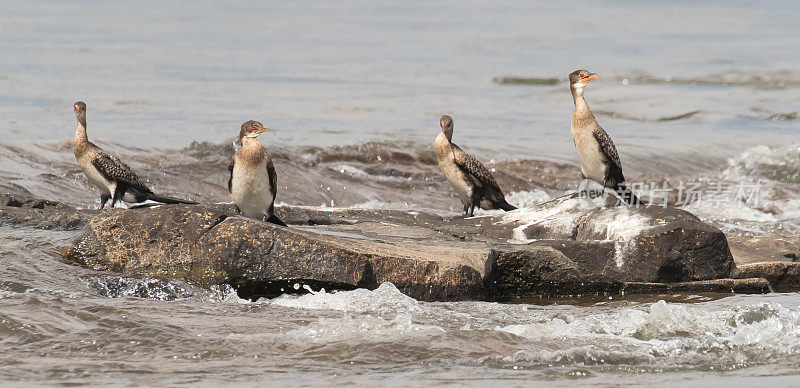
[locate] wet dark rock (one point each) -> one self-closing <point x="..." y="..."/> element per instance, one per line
<point x="42" y="214"/>
<point x="7" y="199"/>
<point x="211" y="246"/>
<point x="544" y="271"/>
<point x="565" y="248"/>
<point x="784" y="277"/>
<point x="646" y="244"/>
<point x="747" y="250"/>
<point x="755" y="285"/>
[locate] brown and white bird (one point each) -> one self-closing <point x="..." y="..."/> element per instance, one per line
<point x="596" y="152"/>
<point x="253" y="183"/>
<point x="473" y="182"/>
<point x="114" y="179"/>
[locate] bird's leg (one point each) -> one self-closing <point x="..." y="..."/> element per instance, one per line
<point x="618" y="199"/>
<point x="603" y="188"/>
<point x="583" y="187"/>
<point x="471" y="210"/>
<point x="103" y="199"/>
<point x="119" y="192"/>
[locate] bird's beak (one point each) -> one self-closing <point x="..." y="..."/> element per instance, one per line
<point x="591" y="77"/>
<point x="260" y="131"/>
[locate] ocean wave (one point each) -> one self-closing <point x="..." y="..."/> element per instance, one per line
<point x="624" y="116"/>
<point x="149" y="288"/>
<point x="686" y="336"/>
<point x="386" y="296"/>
<point x="530" y="81"/>
<point x="758" y="80"/>
<point x="773" y="80"/>
<point x="375" y="175"/>
<point x="776" y="163"/>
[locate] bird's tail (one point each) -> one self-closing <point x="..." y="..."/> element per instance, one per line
<point x="506" y="206"/>
<point x="169" y="200"/>
<point x="628" y="196"/>
<point x="275" y="220"/>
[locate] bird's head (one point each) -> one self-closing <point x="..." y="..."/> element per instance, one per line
<point x="446" y="122"/>
<point x="578" y="79"/>
<point x="79" y="107"/>
<point x="251" y="129"/>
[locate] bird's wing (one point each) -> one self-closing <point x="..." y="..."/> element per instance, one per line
<point x="116" y="170"/>
<point x="230" y="178"/>
<point x="472" y="167"/>
<point x="273" y="177"/>
<point x="607" y="146"/>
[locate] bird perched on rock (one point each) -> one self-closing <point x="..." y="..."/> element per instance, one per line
<point x="473" y="182"/>
<point x="114" y="179"/>
<point x="598" y="156"/>
<point x="253" y="183"/>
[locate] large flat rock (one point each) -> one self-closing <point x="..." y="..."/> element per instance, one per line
<point x="759" y="249"/>
<point x="209" y="246"/>
<point x="566" y="247"/>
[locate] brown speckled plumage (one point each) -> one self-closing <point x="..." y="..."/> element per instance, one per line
<point x="248" y="169"/>
<point x="115" y="179"/>
<point x="472" y="180"/>
<point x="598" y="155"/>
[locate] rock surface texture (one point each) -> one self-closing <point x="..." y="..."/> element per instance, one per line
<point x="566" y="247"/>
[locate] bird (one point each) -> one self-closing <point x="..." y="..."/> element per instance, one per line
<point x="115" y="179"/>
<point x="253" y="183"/>
<point x="597" y="154"/>
<point x="473" y="182"/>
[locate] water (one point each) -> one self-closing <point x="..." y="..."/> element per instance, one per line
<point x="690" y="92"/>
<point x="162" y="75"/>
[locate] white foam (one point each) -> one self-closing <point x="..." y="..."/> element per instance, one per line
<point x="363" y="328"/>
<point x="412" y="209"/>
<point x="770" y="206"/>
<point x="360" y="300"/>
<point x="621" y="226"/>
<point x="560" y="218"/>
<point x="678" y="332"/>
<point x="350" y="170"/>
<point x="368" y="315"/>
<point x="526" y="199"/>
<point x="375" y="204"/>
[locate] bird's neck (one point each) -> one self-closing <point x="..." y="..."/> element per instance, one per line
<point x="250" y="142"/>
<point x="251" y="146"/>
<point x="448" y="133"/>
<point x="442" y="146"/>
<point x="252" y="152"/>
<point x="582" y="114"/>
<point x="80" y="132"/>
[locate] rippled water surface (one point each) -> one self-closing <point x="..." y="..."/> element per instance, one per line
<point x="676" y="77"/>
<point x="88" y="328"/>
<point x="703" y="92"/>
